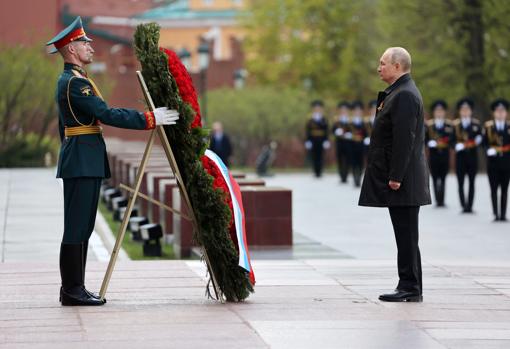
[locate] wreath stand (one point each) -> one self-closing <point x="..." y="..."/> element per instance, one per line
<point x="135" y="192"/>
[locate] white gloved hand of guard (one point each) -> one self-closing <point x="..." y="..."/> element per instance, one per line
<point x="491" y="152"/>
<point x="432" y="143"/>
<point x="165" y="116"/>
<point x="366" y="141"/>
<point x="348" y="135"/>
<point x="308" y="145"/>
<point x="478" y="139"/>
<point x="339" y="131"/>
<point x="459" y="147"/>
<point x="326" y="144"/>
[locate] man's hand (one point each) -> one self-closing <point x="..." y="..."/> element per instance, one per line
<point x="308" y="145"/>
<point x="165" y="116"/>
<point x="326" y="145"/>
<point x="394" y="185"/>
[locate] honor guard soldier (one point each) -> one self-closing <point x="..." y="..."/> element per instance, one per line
<point x="467" y="137"/>
<point x="369" y="120"/>
<point x="343" y="136"/>
<point x="82" y="161"/>
<point x="359" y="134"/>
<point x="438" y="137"/>
<point x="497" y="142"/>
<point x="317" y="136"/>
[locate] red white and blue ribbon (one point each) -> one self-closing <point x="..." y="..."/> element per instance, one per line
<point x="237" y="205"/>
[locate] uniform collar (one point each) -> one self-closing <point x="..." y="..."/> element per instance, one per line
<point x="404" y="78"/>
<point x="71" y="66"/>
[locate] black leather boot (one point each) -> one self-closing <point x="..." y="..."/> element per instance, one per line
<point x="72" y="291"/>
<point x="85" y="246"/>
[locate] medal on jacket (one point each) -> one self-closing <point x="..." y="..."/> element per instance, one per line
<point x="379" y="108"/>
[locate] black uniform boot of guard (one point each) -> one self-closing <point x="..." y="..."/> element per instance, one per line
<point x="72" y="291"/>
<point x="85" y="251"/>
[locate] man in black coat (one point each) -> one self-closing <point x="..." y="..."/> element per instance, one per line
<point x="397" y="174"/>
<point x="220" y="143"/>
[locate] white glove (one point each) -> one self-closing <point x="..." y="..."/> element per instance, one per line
<point x="491" y="152"/>
<point x="165" y="116"/>
<point x="478" y="139"/>
<point x="366" y="141"/>
<point x="326" y="144"/>
<point x="432" y="143"/>
<point x="459" y="147"/>
<point x="339" y="132"/>
<point x="348" y="135"/>
<point x="308" y="145"/>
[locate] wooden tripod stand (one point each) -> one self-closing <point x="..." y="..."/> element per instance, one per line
<point x="135" y="192"/>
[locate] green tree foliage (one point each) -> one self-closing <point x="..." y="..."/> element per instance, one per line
<point x="459" y="47"/>
<point x="255" y="116"/>
<point x="27" y="105"/>
<point x="326" y="44"/>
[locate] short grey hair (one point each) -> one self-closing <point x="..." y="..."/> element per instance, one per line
<point x="401" y="56"/>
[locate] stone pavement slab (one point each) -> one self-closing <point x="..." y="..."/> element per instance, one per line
<point x="297" y="304"/>
<point x="326" y="211"/>
<point x="32" y="216"/>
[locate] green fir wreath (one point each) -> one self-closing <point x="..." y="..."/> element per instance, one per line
<point x="212" y="212"/>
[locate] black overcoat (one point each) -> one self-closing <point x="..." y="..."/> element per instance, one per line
<point x="397" y="149"/>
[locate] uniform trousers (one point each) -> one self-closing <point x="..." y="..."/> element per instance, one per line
<point x="81" y="196"/>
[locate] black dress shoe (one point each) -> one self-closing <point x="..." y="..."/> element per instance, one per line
<point x="401" y="296"/>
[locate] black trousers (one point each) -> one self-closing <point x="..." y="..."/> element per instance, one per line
<point x="343" y="159"/>
<point x="405" y="226"/>
<point x="81" y="196"/>
<point x="317" y="153"/>
<point x="439" y="165"/>
<point x="357" y="162"/>
<point x="467" y="164"/>
<point x="499" y="178"/>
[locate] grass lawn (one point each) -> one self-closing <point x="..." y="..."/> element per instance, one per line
<point x="134" y="249"/>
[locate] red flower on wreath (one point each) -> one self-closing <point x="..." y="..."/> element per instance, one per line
<point x="189" y="95"/>
<point x="185" y="84"/>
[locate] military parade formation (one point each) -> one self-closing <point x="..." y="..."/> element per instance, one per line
<point x="450" y="142"/>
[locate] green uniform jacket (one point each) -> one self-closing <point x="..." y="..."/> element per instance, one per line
<point x="79" y="104"/>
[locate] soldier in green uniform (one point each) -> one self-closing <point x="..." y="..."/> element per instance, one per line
<point x="497" y="142"/>
<point x="438" y="137"/>
<point x="317" y="136"/>
<point x="467" y="137"/>
<point x="82" y="161"/>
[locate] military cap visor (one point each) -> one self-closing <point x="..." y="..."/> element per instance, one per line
<point x="73" y="32"/>
<point x="465" y="102"/>
<point x="357" y="104"/>
<point x="439" y="103"/>
<point x="317" y="103"/>
<point x="499" y="103"/>
<point x="343" y="104"/>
